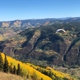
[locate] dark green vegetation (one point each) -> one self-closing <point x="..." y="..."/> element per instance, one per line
<point x="1" y="63"/>
<point x="5" y="67"/>
<point x="30" y="71"/>
<point x="43" y="46"/>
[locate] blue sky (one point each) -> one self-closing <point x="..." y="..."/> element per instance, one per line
<point x="37" y="9"/>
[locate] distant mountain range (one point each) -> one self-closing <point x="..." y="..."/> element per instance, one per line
<point x="11" y="28"/>
<point x="36" y="41"/>
<point x="41" y="43"/>
<point x="35" y="22"/>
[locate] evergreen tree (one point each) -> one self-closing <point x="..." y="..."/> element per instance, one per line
<point x="5" y="64"/>
<point x="1" y="63"/>
<point x="41" y="78"/>
<point x="14" y="70"/>
<point x="10" y="68"/>
<point x="18" y="70"/>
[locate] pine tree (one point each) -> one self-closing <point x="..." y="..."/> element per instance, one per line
<point x="10" y="68"/>
<point x="41" y="78"/>
<point x="5" y="64"/>
<point x="14" y="70"/>
<point x="1" y="63"/>
<point x="18" y="70"/>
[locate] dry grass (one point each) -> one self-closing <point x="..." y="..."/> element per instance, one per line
<point x="5" y="76"/>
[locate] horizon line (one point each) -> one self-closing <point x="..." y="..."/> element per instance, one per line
<point x="36" y="19"/>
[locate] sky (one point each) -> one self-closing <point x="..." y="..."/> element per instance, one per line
<point x="38" y="9"/>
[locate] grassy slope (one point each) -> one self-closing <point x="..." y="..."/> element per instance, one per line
<point x="30" y="71"/>
<point x="59" y="74"/>
<point x="4" y="76"/>
<point x="27" y="70"/>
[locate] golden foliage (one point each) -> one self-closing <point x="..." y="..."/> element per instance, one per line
<point x="27" y="69"/>
<point x="55" y="73"/>
<point x="36" y="72"/>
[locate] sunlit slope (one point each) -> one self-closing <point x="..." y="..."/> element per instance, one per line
<point x="53" y="73"/>
<point x="26" y="69"/>
<point x="38" y="72"/>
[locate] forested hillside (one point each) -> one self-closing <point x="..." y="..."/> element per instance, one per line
<point x="29" y="71"/>
<point x="42" y="45"/>
<point x="51" y="43"/>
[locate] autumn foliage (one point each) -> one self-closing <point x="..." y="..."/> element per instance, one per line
<point x="31" y="71"/>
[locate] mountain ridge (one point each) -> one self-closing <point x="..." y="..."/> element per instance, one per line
<point x="44" y="44"/>
<point x="16" y="26"/>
